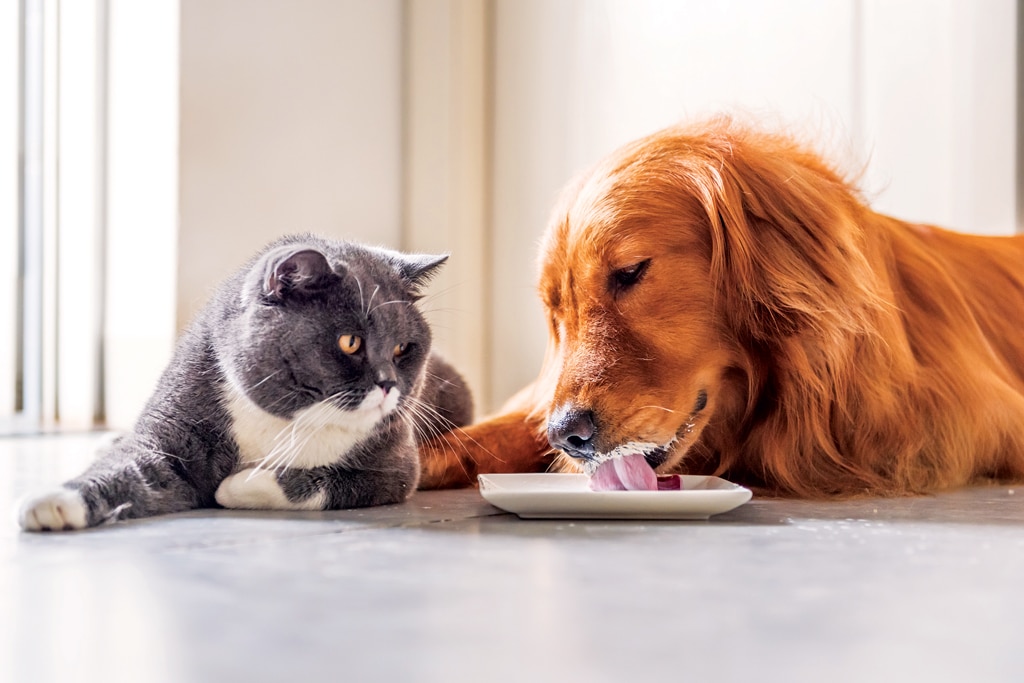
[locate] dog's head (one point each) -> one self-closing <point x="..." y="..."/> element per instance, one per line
<point x="672" y="269"/>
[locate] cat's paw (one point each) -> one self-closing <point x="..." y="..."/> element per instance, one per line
<point x="259" y="490"/>
<point x="57" y="510"/>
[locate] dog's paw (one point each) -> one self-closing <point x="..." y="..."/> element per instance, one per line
<point x="57" y="510"/>
<point x="259" y="490"/>
<point x="441" y="467"/>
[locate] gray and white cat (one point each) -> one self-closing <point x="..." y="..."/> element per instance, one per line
<point x="304" y="384"/>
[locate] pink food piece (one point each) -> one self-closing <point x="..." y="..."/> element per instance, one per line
<point x="625" y="473"/>
<point x="605" y="478"/>
<point x="670" y="482"/>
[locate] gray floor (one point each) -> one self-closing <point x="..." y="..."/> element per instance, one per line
<point x="447" y="587"/>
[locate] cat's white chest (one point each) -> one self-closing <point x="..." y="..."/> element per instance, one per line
<point x="316" y="436"/>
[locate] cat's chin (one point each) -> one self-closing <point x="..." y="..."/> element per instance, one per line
<point x="379" y="403"/>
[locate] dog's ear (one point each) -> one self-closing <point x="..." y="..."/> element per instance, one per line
<point x="787" y="252"/>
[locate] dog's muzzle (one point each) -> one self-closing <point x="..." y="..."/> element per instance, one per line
<point x="573" y="431"/>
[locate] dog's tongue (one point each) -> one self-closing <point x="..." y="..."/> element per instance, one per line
<point x="625" y="473"/>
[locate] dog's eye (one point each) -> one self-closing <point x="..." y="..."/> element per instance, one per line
<point x="702" y="401"/>
<point x="624" y="278"/>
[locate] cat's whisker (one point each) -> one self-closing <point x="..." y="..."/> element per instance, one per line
<point x="286" y="444"/>
<point x="439" y="293"/>
<point x="422" y="423"/>
<point x="456" y="428"/>
<point x="369" y="304"/>
<point x="345" y="394"/>
<point x="387" y="303"/>
<point x="278" y="451"/>
<point x="416" y="417"/>
<point x="362" y="304"/>
<point x="276" y="372"/>
<point x="427" y="431"/>
<point x="289" y="446"/>
<point x="286" y="451"/>
<point x="441" y="309"/>
<point x="288" y="396"/>
<point x="479" y="445"/>
<point x="429" y="410"/>
<point x="442" y="380"/>
<point x="165" y="454"/>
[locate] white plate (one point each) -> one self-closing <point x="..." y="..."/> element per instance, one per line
<point x="539" y="496"/>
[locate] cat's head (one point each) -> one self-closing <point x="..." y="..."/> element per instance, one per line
<point x="331" y="323"/>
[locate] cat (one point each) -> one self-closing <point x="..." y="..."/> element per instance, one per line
<point x="304" y="384"/>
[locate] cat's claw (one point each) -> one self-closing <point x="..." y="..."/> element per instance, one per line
<point x="57" y="510"/>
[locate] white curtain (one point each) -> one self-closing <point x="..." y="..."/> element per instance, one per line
<point x="88" y="319"/>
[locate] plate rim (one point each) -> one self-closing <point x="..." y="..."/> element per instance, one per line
<point x="635" y="505"/>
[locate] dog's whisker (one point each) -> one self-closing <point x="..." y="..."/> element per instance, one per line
<point x="653" y="407"/>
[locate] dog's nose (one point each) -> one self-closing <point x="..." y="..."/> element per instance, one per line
<point x="572" y="430"/>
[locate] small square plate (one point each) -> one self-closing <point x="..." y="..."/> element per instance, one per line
<point x="568" y="496"/>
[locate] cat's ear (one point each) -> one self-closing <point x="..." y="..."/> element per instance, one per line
<point x="417" y="269"/>
<point x="303" y="271"/>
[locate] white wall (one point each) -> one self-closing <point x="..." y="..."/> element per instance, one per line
<point x="938" y="111"/>
<point x="290" y="122"/>
<point x="920" y="90"/>
<point x="447" y="165"/>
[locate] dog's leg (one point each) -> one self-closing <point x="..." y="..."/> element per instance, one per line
<point x="511" y="442"/>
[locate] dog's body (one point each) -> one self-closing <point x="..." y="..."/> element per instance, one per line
<point x="722" y="301"/>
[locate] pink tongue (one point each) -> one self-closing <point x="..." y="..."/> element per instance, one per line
<point x="626" y="473"/>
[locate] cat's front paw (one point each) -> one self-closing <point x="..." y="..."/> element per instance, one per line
<point x="260" y="490"/>
<point x="57" y="510"/>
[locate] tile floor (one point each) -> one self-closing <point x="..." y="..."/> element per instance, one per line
<point x="448" y="588"/>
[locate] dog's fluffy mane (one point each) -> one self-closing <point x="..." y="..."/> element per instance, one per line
<point x="878" y="356"/>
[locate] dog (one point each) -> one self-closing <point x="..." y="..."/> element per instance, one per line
<point x="723" y="301"/>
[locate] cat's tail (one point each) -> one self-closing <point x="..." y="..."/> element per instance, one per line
<point x="125" y="482"/>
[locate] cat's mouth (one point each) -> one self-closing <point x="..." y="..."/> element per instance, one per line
<point x="379" y="401"/>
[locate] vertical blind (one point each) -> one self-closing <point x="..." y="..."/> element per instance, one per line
<point x="54" y="242"/>
<point x="88" y="243"/>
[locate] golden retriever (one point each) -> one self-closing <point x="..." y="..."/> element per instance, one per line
<point x="722" y="301"/>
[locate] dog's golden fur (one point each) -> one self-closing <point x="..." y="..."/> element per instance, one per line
<point x="841" y="351"/>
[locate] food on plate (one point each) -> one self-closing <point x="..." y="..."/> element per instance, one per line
<point x="670" y="482"/>
<point x="631" y="473"/>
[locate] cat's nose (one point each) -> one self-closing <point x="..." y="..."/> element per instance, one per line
<point x="386" y="378"/>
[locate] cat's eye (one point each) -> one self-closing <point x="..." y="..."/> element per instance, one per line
<point x="400" y="349"/>
<point x="350" y="343"/>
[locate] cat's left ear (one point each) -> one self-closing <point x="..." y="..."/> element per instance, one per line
<point x="417" y="269"/>
<point x="299" y="271"/>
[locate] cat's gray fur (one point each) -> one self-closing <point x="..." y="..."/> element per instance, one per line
<point x="271" y="333"/>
